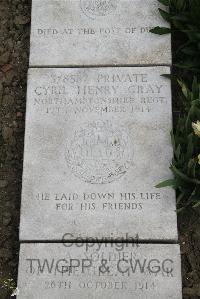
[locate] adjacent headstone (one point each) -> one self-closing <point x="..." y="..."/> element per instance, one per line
<point x="97" y="142"/>
<point x="88" y="32"/>
<point x="99" y="271"/>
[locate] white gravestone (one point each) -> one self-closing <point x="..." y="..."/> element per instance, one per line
<point x="97" y="142"/>
<point x="87" y="271"/>
<point x="88" y="32"/>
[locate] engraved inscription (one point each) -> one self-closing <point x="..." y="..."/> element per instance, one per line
<point x="100" y="152"/>
<point x="72" y="95"/>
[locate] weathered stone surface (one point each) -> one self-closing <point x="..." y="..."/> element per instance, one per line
<point x="87" y="32"/>
<point x="97" y="142"/>
<point x="110" y="271"/>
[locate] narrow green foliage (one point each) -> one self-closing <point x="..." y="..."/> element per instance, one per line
<point x="184" y="17"/>
<point x="161" y="30"/>
<point x="167" y="183"/>
<point x="186" y="144"/>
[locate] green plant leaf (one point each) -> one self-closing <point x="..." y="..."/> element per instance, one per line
<point x="180" y="210"/>
<point x="167" y="183"/>
<point x="170" y="76"/>
<point x="179" y="18"/>
<point x="166" y="16"/>
<point x="195" y="88"/>
<point x="192" y="168"/>
<point x="197" y="204"/>
<point x="190" y="146"/>
<point x="178" y="151"/>
<point x="160" y="30"/>
<point x="183" y="87"/>
<point x="180" y="5"/>
<point x="183" y="176"/>
<point x="189" y="51"/>
<point x="191" y="68"/>
<point x="180" y="197"/>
